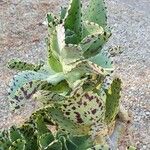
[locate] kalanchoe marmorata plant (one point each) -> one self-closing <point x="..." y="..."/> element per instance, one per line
<point x="76" y="86"/>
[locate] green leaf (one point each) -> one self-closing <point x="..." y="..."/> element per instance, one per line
<point x="70" y="54"/>
<point x="63" y="12"/>
<point x="131" y="148"/>
<point x="15" y="134"/>
<point x="40" y="125"/>
<point x="22" y="66"/>
<point x="91" y="28"/>
<point x="72" y="39"/>
<point x="4" y="140"/>
<point x="18" y="145"/>
<point x="52" y="21"/>
<point x="48" y="97"/>
<point x="57" y="40"/>
<point x="55" y="145"/>
<point x="27" y="83"/>
<point x="79" y="142"/>
<point x="65" y="123"/>
<point x="104" y="60"/>
<point x="28" y="131"/>
<point x="53" y="61"/>
<point x="100" y="147"/>
<point x="96" y="12"/>
<point x="72" y="20"/>
<point x="92" y="45"/>
<point x="82" y="68"/>
<point x="113" y="101"/>
<point x="45" y="140"/>
<point x="55" y="44"/>
<point x="115" y="51"/>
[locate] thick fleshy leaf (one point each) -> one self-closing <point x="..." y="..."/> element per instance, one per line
<point x="55" y="145"/>
<point x="93" y="44"/>
<point x="18" y="145"/>
<point x="4" y="140"/>
<point x="84" y="108"/>
<point x="22" y="78"/>
<point x="63" y="12"/>
<point x="104" y="60"/>
<point x="29" y="132"/>
<point x="45" y="140"/>
<point x="48" y="97"/>
<point x="65" y="123"/>
<point x="83" y="68"/>
<point x="15" y="134"/>
<point x="52" y="21"/>
<point x="100" y="147"/>
<point x="44" y="135"/>
<point x="53" y="61"/>
<point x="40" y="125"/>
<point x="22" y="66"/>
<point x="79" y="142"/>
<point x="96" y="12"/>
<point x="72" y="39"/>
<point x="113" y="100"/>
<point x="115" y="51"/>
<point x="72" y="20"/>
<point x="70" y="54"/>
<point x="91" y="28"/>
<point x="27" y="83"/>
<point x="55" y="45"/>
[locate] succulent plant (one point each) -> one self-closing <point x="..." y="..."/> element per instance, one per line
<point x="76" y="86"/>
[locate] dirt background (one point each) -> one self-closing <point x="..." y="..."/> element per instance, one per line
<point x="22" y="36"/>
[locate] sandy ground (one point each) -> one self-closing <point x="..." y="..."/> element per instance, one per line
<point x="22" y="36"/>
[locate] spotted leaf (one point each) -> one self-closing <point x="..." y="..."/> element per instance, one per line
<point x="100" y="147"/>
<point x="93" y="44"/>
<point x="83" y="68"/>
<point x="15" y="134"/>
<point x="22" y="66"/>
<point x="25" y="84"/>
<point x="4" y="140"/>
<point x="96" y="12"/>
<point x="18" y="145"/>
<point x="72" y="20"/>
<point x="53" y="61"/>
<point x="81" y="110"/>
<point x="52" y="21"/>
<point x="104" y="60"/>
<point x="66" y="123"/>
<point x="48" y="97"/>
<point x="115" y="50"/>
<point x="63" y="12"/>
<point x="79" y="142"/>
<point x="70" y="54"/>
<point x="29" y="132"/>
<point x="91" y="28"/>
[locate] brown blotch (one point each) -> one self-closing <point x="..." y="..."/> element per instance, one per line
<point x="67" y="113"/>
<point x="85" y="103"/>
<point x="94" y="111"/>
<point x="78" y="116"/>
<point x="74" y="108"/>
<point x="87" y="96"/>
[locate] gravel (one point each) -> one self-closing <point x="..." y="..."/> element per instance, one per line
<point x="22" y="36"/>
